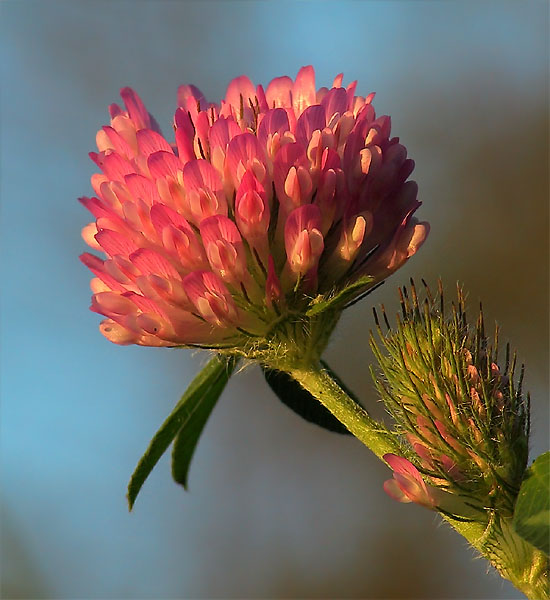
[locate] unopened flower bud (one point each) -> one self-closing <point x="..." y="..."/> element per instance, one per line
<point x="464" y="417"/>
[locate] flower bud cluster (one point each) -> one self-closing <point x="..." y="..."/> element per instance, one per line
<point x="463" y="419"/>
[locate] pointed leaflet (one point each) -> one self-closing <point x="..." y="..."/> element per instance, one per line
<point x="532" y="510"/>
<point x="188" y="417"/>
<point x="196" y="417"/>
<point x="348" y="294"/>
<point x="293" y="395"/>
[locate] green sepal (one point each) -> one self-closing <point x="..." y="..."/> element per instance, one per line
<point x="532" y="511"/>
<point x="299" y="400"/>
<point x="322" y="303"/>
<point x="188" y="417"/>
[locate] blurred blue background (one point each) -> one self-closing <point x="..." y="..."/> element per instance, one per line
<point x="276" y="508"/>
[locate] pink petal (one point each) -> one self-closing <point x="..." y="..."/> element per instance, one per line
<point x="185" y="135"/>
<point x="394" y="491"/>
<point x="210" y="297"/>
<point x="303" y="238"/>
<point x="96" y="207"/>
<point x="414" y="491"/>
<point x="403" y="466"/>
<point x="135" y="107"/>
<point x="142" y="188"/>
<point x="222" y="132"/>
<point x="243" y="153"/>
<point x="150" y="141"/>
<point x="150" y="262"/>
<point x="111" y="304"/>
<point x="298" y="187"/>
<point x="239" y="91"/>
<point x="200" y="174"/>
<point x="202" y="128"/>
<point x="313" y="118"/>
<point x="182" y="243"/>
<point x="262" y="100"/>
<point x="164" y="164"/>
<point x="338" y="80"/>
<point x="88" y="234"/>
<point x="190" y="91"/>
<point x="115" y="110"/>
<point x="252" y="210"/>
<point x="350" y="90"/>
<point x="162" y="216"/>
<point x="115" y="166"/>
<point x="274" y="121"/>
<point x="145" y="304"/>
<point x="115" y="243"/>
<point x="97" y="266"/>
<point x="290" y="155"/>
<point x="279" y="92"/>
<point x="303" y="90"/>
<point x="116" y="333"/>
<point x="335" y="101"/>
<point x="224" y="248"/>
<point x="109" y="139"/>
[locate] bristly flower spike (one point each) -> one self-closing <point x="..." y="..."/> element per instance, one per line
<point x="464" y="422"/>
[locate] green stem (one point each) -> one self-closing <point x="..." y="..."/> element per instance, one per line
<point x="319" y="383"/>
<point x="516" y="560"/>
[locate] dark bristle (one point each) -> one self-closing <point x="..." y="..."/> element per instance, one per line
<point x="385" y="317"/>
<point x="259" y="261"/>
<point x="402" y="302"/>
<point x="191" y="120"/>
<point x="513" y="365"/>
<point x="241" y="107"/>
<point x="364" y="294"/>
<point x="428" y="291"/>
<point x="520" y="381"/>
<point x="414" y="297"/>
<point x="481" y="321"/>
<point x="454" y="312"/>
<point x="201" y="148"/>
<point x="243" y="290"/>
<point x="376" y="317"/>
<point x="441" y="298"/>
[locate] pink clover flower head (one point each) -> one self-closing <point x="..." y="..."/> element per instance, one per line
<point x="259" y="206"/>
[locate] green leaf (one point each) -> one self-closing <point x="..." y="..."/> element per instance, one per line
<point x="322" y="303"/>
<point x="189" y="434"/>
<point x="189" y="415"/>
<point x="532" y="510"/>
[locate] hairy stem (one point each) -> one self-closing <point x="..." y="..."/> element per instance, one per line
<point x="321" y="385"/>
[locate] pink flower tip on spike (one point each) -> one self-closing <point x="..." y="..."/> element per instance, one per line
<point x="261" y="205"/>
<point x="407" y="484"/>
